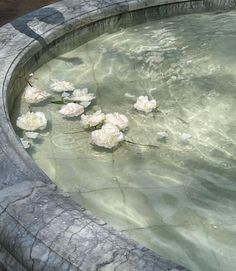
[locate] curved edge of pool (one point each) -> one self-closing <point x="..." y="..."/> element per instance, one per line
<point x="41" y="228"/>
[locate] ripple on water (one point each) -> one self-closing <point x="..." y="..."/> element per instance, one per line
<point x="176" y="196"/>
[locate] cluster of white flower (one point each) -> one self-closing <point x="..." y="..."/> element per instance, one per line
<point x="30" y="122"/>
<point x="108" y="129"/>
<point x="110" y="135"/>
<point x="81" y="96"/>
<point x="74" y="109"/>
<point x="111" y="126"/>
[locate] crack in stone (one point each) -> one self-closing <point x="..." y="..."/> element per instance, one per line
<point x="126" y="254"/>
<point x="101" y="265"/>
<point x="26" y="230"/>
<point x="17" y="200"/>
<point x="60" y="233"/>
<point x="46" y="263"/>
<point x="73" y="234"/>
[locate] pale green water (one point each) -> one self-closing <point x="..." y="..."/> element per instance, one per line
<point x="179" y="200"/>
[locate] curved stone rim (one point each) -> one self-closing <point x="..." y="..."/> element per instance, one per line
<point x="40" y="227"/>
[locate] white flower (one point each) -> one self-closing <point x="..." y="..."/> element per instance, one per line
<point x="34" y="95"/>
<point x="65" y="94"/>
<point x="185" y="137"/>
<point x="81" y="95"/>
<point x="143" y="104"/>
<point x="108" y="136"/>
<point x="85" y="104"/>
<point x="162" y="135"/>
<point x="32" y="135"/>
<point x="89" y="121"/>
<point x="118" y="120"/>
<point x="71" y="110"/>
<point x="25" y="143"/>
<point x="32" y="121"/>
<point x="61" y="86"/>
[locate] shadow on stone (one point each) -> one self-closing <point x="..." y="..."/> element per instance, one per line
<point x="50" y="16"/>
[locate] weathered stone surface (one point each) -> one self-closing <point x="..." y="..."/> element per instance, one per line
<point x="41" y="228"/>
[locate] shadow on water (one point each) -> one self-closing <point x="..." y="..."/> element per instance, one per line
<point x="50" y="16"/>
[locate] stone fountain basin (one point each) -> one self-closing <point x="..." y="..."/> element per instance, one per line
<point x="41" y="227"/>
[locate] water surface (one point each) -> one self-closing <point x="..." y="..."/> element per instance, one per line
<point x="179" y="198"/>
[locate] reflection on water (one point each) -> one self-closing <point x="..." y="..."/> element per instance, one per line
<point x="178" y="199"/>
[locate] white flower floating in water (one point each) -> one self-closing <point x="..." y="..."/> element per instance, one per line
<point x="32" y="121"/>
<point x="61" y="86"/>
<point x="32" y="135"/>
<point x="90" y="121"/>
<point x="65" y="94"/>
<point x="119" y="120"/>
<point x="85" y="104"/>
<point x="143" y="104"/>
<point x="72" y="110"/>
<point x="81" y="95"/>
<point x="162" y="135"/>
<point x="34" y="95"/>
<point x="25" y="143"/>
<point x="109" y="136"/>
<point x="185" y="137"/>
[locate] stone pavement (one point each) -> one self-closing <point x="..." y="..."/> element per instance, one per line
<point x="11" y="9"/>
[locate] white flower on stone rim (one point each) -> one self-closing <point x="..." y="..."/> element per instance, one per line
<point x="34" y="95"/>
<point x="32" y="121"/>
<point x="109" y="136"/>
<point x="143" y="104"/>
<point x="90" y="121"/>
<point x="25" y="143"/>
<point x="61" y="86"/>
<point x="71" y="110"/>
<point x="81" y="95"/>
<point x="119" y="120"/>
